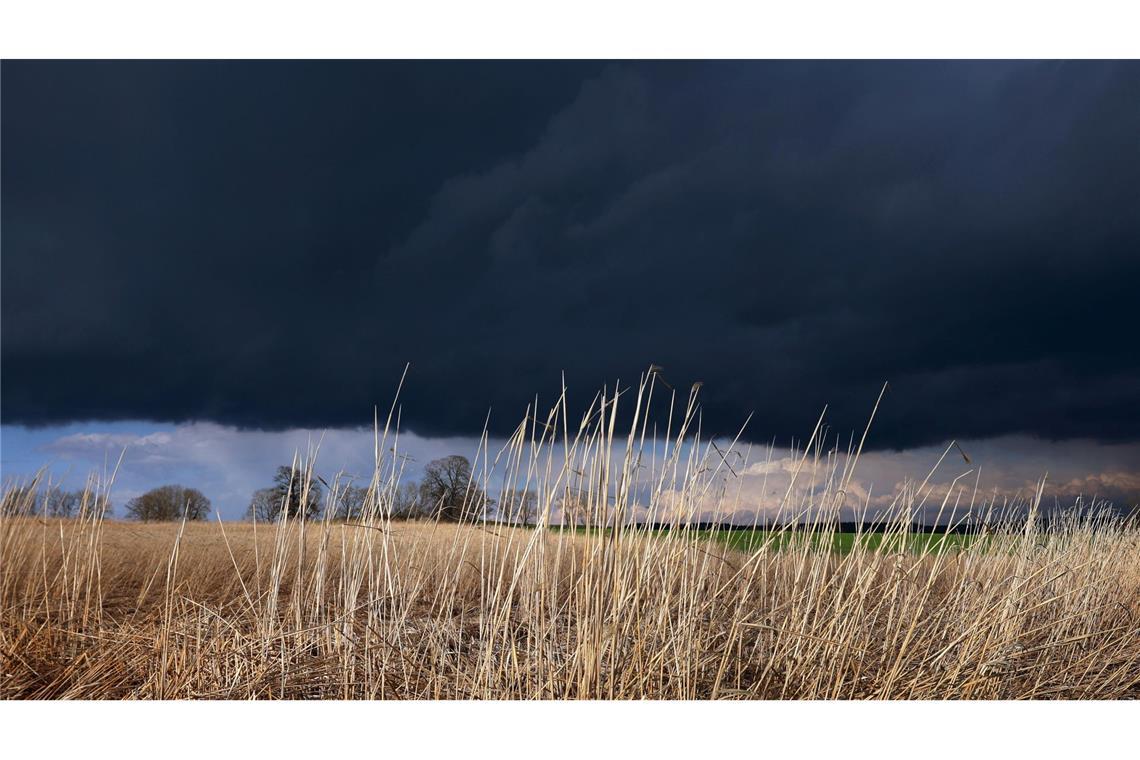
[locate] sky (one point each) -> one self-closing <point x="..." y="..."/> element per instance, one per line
<point x="207" y="264"/>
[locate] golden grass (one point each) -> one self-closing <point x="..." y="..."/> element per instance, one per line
<point x="445" y="611"/>
<point x="91" y="608"/>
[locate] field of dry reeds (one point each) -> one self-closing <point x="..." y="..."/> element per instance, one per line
<point x="388" y="609"/>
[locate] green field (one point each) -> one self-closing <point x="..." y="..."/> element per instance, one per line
<point x="842" y="543"/>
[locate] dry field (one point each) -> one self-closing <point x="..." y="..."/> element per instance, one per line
<point x="92" y="608"/>
<point x="118" y="610"/>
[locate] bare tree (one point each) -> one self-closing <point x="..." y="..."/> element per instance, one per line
<point x="447" y="491"/>
<point x="171" y="502"/>
<point x="519" y="506"/>
<point x="61" y="503"/>
<point x="263" y="506"/>
<point x="294" y="493"/>
<point x="52" y="502"/>
<point x="93" y="503"/>
<point x="406" y="501"/>
<point x="350" y="502"/>
<point x="574" y="508"/>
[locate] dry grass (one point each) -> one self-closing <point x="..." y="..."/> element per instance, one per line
<point x="91" y="608"/>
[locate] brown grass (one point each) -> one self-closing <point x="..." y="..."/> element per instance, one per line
<point x="91" y="608"/>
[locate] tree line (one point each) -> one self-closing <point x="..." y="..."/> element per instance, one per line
<point x="53" y="502"/>
<point x="447" y="492"/>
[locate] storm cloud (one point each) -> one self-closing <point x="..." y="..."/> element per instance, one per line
<point x="267" y="245"/>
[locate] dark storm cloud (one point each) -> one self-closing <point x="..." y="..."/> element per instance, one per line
<point x="268" y="244"/>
